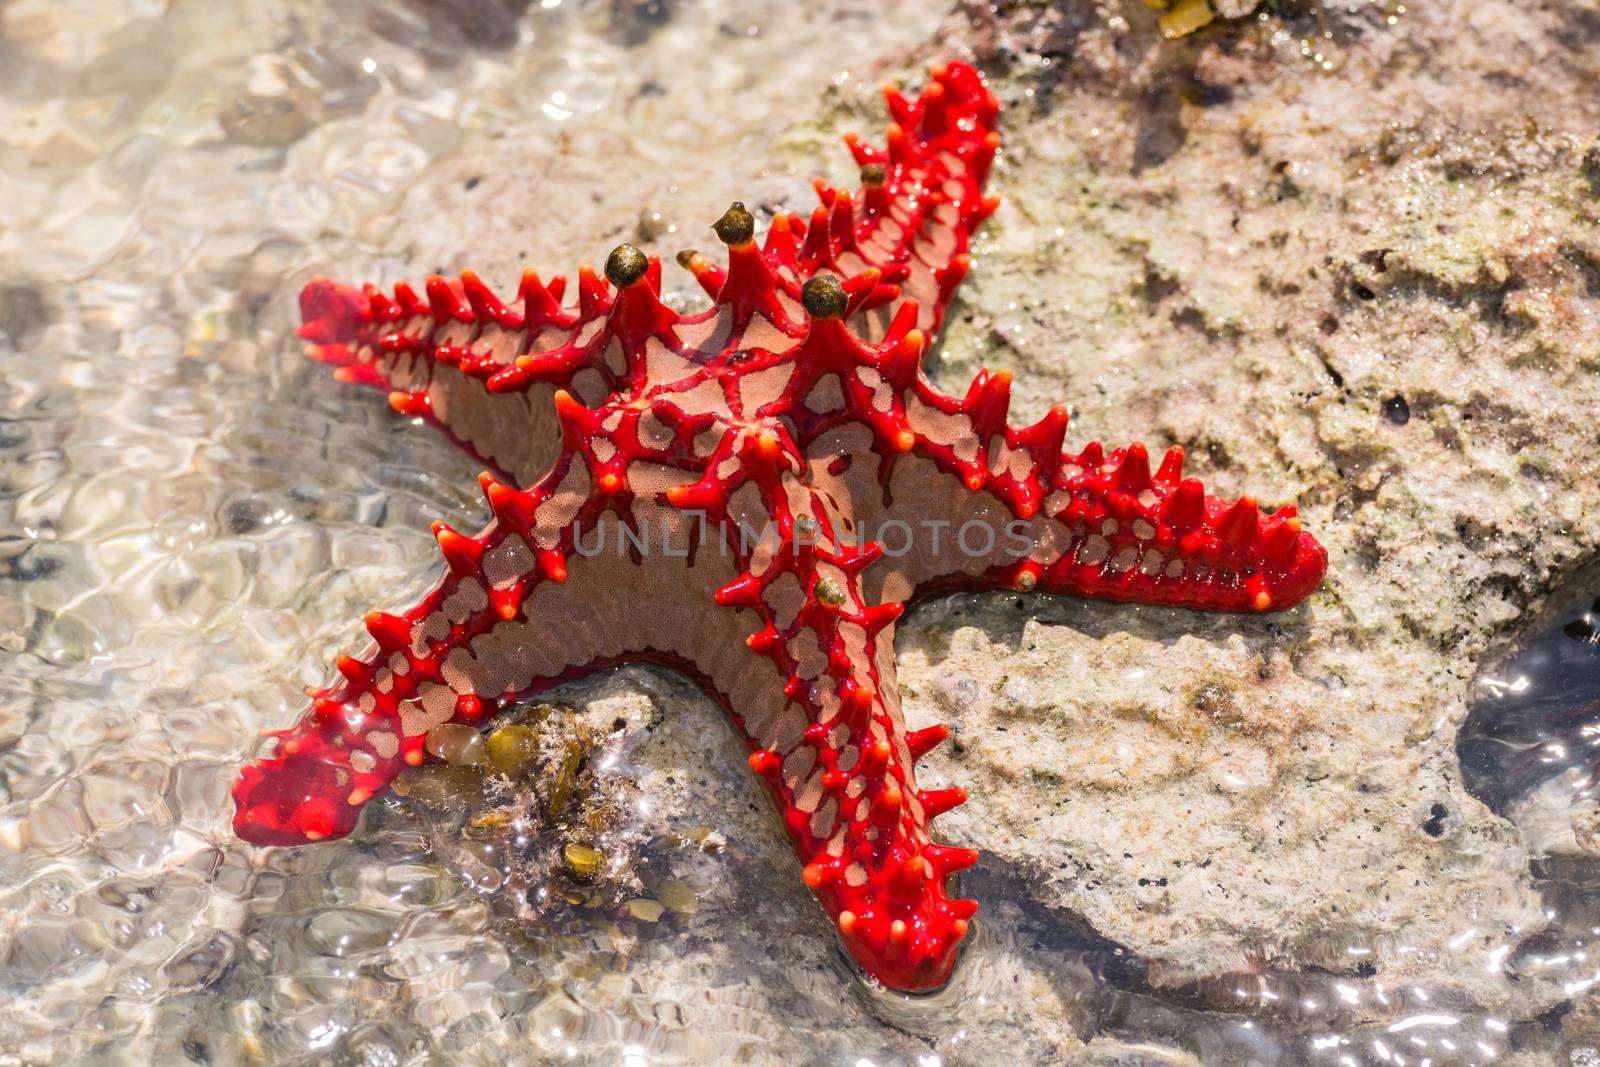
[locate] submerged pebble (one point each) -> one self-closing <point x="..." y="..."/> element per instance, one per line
<point x="457" y="744"/>
<point x="511" y="748"/>
<point x="677" y="895"/>
<point x="582" y="860"/>
<point x="442" y="786"/>
<point x="645" y="910"/>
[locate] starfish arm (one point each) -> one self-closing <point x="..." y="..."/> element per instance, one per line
<point x="1103" y="524"/>
<point x="834" y="749"/>
<point x="963" y="499"/>
<point x="903" y="233"/>
<point x="920" y="200"/>
<point x="978" y="503"/>
<point x="446" y="659"/>
<point x="1160" y="538"/>
<point x="455" y="653"/>
<point x="437" y="358"/>
<point x="484" y="371"/>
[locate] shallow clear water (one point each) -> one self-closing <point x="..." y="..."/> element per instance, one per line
<point x="191" y="519"/>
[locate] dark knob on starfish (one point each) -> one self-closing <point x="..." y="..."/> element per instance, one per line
<point x="626" y="265"/>
<point x="823" y="297"/>
<point x="736" y="226"/>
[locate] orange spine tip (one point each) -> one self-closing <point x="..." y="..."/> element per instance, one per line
<point x="469" y="706"/>
<point x="1260" y="596"/>
<point x="906" y="881"/>
<point x="1171" y="466"/>
<point x="921" y="742"/>
<point x="1240" y="526"/>
<point x="353" y="669"/>
<point x="694" y="496"/>
<point x="414" y="405"/>
<point x="462" y="554"/>
<point x="390" y="631"/>
<point x="567" y="405"/>
<point x="817" y="874"/>
<point x="553" y="565"/>
<point x="936" y="802"/>
<point x="855" y="698"/>
<point x="764" y="642"/>
<point x="744" y="591"/>
<point x="886" y="808"/>
<point x="764" y="763"/>
<point x="506" y="603"/>
<point x="874" y="758"/>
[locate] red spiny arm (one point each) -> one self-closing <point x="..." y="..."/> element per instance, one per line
<point x="379" y="339"/>
<point x="482" y="371"/>
<point x="835" y="753"/>
<point x="473" y="641"/>
<point x="912" y="218"/>
<point x="1092" y="524"/>
<point x="359" y="734"/>
<point x="1159" y="538"/>
<point x="1107" y="525"/>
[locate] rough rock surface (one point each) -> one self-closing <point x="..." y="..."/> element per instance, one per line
<point x="1373" y="289"/>
<point x="1363" y="289"/>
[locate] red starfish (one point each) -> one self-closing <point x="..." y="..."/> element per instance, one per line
<point x="655" y="448"/>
